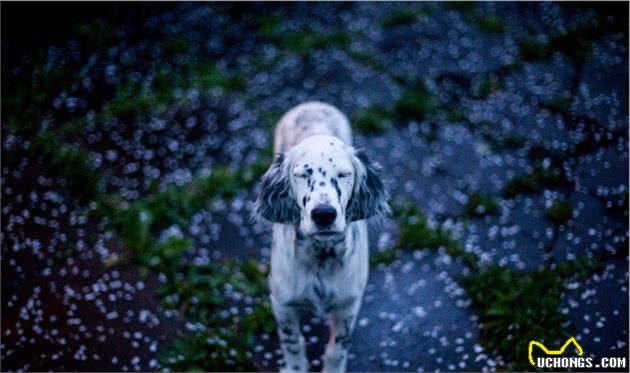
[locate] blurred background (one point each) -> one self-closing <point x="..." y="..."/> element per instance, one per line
<point x="133" y="136"/>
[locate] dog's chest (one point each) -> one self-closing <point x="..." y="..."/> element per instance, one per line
<point x="323" y="279"/>
<point x="323" y="290"/>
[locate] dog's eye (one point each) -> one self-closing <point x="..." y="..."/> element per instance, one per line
<point x="301" y="176"/>
<point x="343" y="174"/>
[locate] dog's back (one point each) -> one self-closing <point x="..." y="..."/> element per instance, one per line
<point x="310" y="119"/>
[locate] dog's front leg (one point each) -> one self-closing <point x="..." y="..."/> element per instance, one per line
<point x="291" y="339"/>
<point x="341" y="326"/>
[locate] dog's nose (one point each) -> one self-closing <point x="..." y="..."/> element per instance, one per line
<point x="324" y="215"/>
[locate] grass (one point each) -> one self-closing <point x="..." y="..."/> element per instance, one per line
<point x="385" y="257"/>
<point x="134" y="221"/>
<point x="491" y="23"/>
<point x="373" y="120"/>
<point x="576" y="42"/>
<point x="24" y="108"/>
<point x="369" y="59"/>
<point x="199" y="292"/>
<point x="533" y="49"/>
<point x="268" y="26"/>
<point x="303" y="41"/>
<point x="559" y="104"/>
<point x="454" y="114"/>
<point x="484" y="86"/>
<point x="559" y="212"/>
<point x="461" y="6"/>
<point x="516" y="307"/>
<point x="57" y="148"/>
<point x="400" y="18"/>
<point x="176" y="44"/>
<point x="539" y="179"/>
<point x="98" y="32"/>
<point x="500" y="140"/>
<point x="416" y="103"/>
<point x="58" y="159"/>
<point x="417" y="233"/>
<point x="481" y="205"/>
<point x="133" y="100"/>
<point x="226" y="341"/>
<point x="206" y="75"/>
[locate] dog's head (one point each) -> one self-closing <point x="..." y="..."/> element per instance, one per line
<point x="321" y="185"/>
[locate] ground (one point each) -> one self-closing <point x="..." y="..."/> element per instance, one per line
<point x="133" y="137"/>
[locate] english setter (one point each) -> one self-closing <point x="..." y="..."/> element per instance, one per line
<point x="318" y="193"/>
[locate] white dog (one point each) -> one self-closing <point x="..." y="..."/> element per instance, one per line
<point x="318" y="192"/>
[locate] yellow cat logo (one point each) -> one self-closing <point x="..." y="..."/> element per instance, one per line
<point x="553" y="352"/>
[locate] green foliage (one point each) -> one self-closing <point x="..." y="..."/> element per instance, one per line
<point x="23" y="109"/>
<point x="134" y="100"/>
<point x="484" y="87"/>
<point x="559" y="212"/>
<point x="575" y="42"/>
<point x="268" y="26"/>
<point x="385" y="257"/>
<point x="226" y="340"/>
<point x="68" y="162"/>
<point x="481" y="205"/>
<point x="302" y="41"/>
<point x="455" y="114"/>
<point x="417" y="233"/>
<point x="462" y="6"/>
<point x="559" y="104"/>
<point x="206" y="75"/>
<point x="175" y="205"/>
<point x="416" y="103"/>
<point x="98" y="32"/>
<point x="533" y="49"/>
<point x="176" y="44"/>
<point x="369" y="59"/>
<point x="251" y="174"/>
<point x="516" y="307"/>
<point x="400" y="17"/>
<point x="490" y="23"/>
<point x="501" y="141"/>
<point x="539" y="179"/>
<point x="374" y="119"/>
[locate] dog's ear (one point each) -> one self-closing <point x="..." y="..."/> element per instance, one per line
<point x="369" y="197"/>
<point x="275" y="201"/>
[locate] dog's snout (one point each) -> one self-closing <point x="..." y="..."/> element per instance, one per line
<point x="324" y="215"/>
